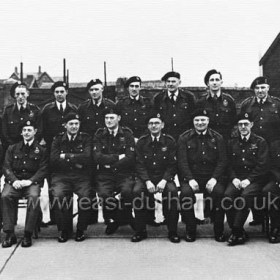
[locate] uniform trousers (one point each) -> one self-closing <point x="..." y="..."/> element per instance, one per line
<point x="10" y="197"/>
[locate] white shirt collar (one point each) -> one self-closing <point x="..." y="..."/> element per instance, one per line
<point x="114" y="131"/>
<point x="153" y="138"/>
<point x="175" y="94"/>
<point x="63" y="105"/>
<point x="218" y="94"/>
<point x="247" y="137"/>
<point x="28" y="142"/>
<point x="97" y="103"/>
<point x="135" y="98"/>
<point x="69" y="136"/>
<point x="264" y="99"/>
<point x="23" y="105"/>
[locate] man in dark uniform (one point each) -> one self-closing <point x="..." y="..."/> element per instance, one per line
<point x="114" y="152"/>
<point x="272" y="192"/>
<point x="265" y="113"/>
<point x="51" y="122"/>
<point x="156" y="167"/>
<point x="134" y="111"/>
<point x="25" y="168"/>
<point x="220" y="106"/>
<point x="71" y="166"/>
<point x="175" y="105"/>
<point x="16" y="114"/>
<point x="202" y="163"/>
<point x="92" y="118"/>
<point x="248" y="159"/>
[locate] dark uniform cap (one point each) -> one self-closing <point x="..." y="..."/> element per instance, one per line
<point x="71" y="116"/>
<point x="244" y="116"/>
<point x="28" y="123"/>
<point x="132" y="80"/>
<point x="200" y="112"/>
<point x="258" y="81"/>
<point x="14" y="86"/>
<point x="208" y="75"/>
<point x="113" y="110"/>
<point x="154" y="115"/>
<point x="93" y="82"/>
<point x="171" y="74"/>
<point x="59" y="84"/>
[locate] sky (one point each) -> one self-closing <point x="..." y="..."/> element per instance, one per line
<point x="138" y="38"/>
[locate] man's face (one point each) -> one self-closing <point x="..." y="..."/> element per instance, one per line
<point x="215" y="82"/>
<point x="72" y="127"/>
<point x="155" y="125"/>
<point x="112" y="121"/>
<point x="60" y="94"/>
<point x="172" y="84"/>
<point x="201" y="123"/>
<point x="96" y="91"/>
<point x="28" y="133"/>
<point x="21" y="94"/>
<point x="261" y="91"/>
<point x="244" y="127"/>
<point x="134" y="89"/>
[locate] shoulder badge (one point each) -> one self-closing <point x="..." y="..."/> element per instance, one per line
<point x="37" y="151"/>
<point x="225" y="102"/>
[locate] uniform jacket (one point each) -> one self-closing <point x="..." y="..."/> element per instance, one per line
<point x="222" y="112"/>
<point x="92" y="116"/>
<point x="177" y="116"/>
<point x="274" y="159"/>
<point x="51" y="120"/>
<point x="156" y="161"/>
<point x="134" y="114"/>
<point x="77" y="154"/>
<point x="13" y="119"/>
<point x="107" y="148"/>
<point x="266" y="117"/>
<point x="201" y="157"/>
<point x="248" y="160"/>
<point x="25" y="163"/>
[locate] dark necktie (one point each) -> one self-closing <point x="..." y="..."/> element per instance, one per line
<point x="21" y="109"/>
<point x="61" y="109"/>
<point x="72" y="139"/>
<point x="172" y="98"/>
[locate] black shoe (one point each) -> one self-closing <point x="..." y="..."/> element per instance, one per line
<point x="106" y="222"/>
<point x="153" y="223"/>
<point x="220" y="238"/>
<point x="43" y="225"/>
<point x="9" y="240"/>
<point x="164" y="222"/>
<point x="256" y="223"/>
<point x="273" y="236"/>
<point x="173" y="237"/>
<point x="63" y="237"/>
<point x="51" y="223"/>
<point x="26" y="241"/>
<point x="112" y="227"/>
<point x="199" y="221"/>
<point x="80" y="236"/>
<point x="235" y="240"/>
<point x="190" y="237"/>
<point x="139" y="236"/>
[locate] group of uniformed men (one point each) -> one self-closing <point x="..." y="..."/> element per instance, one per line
<point x="128" y="151"/>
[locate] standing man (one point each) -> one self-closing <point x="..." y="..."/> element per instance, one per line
<point x="156" y="167"/>
<point x="176" y="106"/>
<point x="220" y="106"/>
<point x="264" y="110"/>
<point x="52" y="120"/>
<point x="114" y="152"/>
<point x="248" y="163"/>
<point x="202" y="163"/>
<point x="92" y="118"/>
<point x="71" y="166"/>
<point x="25" y="168"/>
<point x="17" y="114"/>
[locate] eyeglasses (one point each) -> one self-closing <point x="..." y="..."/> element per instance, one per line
<point x="244" y="124"/>
<point x="154" y="123"/>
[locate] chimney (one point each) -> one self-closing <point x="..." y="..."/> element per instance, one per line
<point x="16" y="70"/>
<point x="39" y="70"/>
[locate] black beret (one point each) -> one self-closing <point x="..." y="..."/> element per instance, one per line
<point x="132" y="80"/>
<point x="28" y="123"/>
<point x="200" y="112"/>
<point x="244" y="116"/>
<point x="171" y="74"/>
<point x="71" y="116"/>
<point x="59" y="84"/>
<point x="258" y="81"/>
<point x="209" y="73"/>
<point x="93" y="82"/>
<point x="14" y="86"/>
<point x="154" y="115"/>
<point x="112" y="110"/>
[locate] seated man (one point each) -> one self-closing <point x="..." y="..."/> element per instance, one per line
<point x="156" y="168"/>
<point x="113" y="151"/>
<point x="248" y="159"/>
<point x="25" y="168"/>
<point x="70" y="163"/>
<point x="202" y="162"/>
